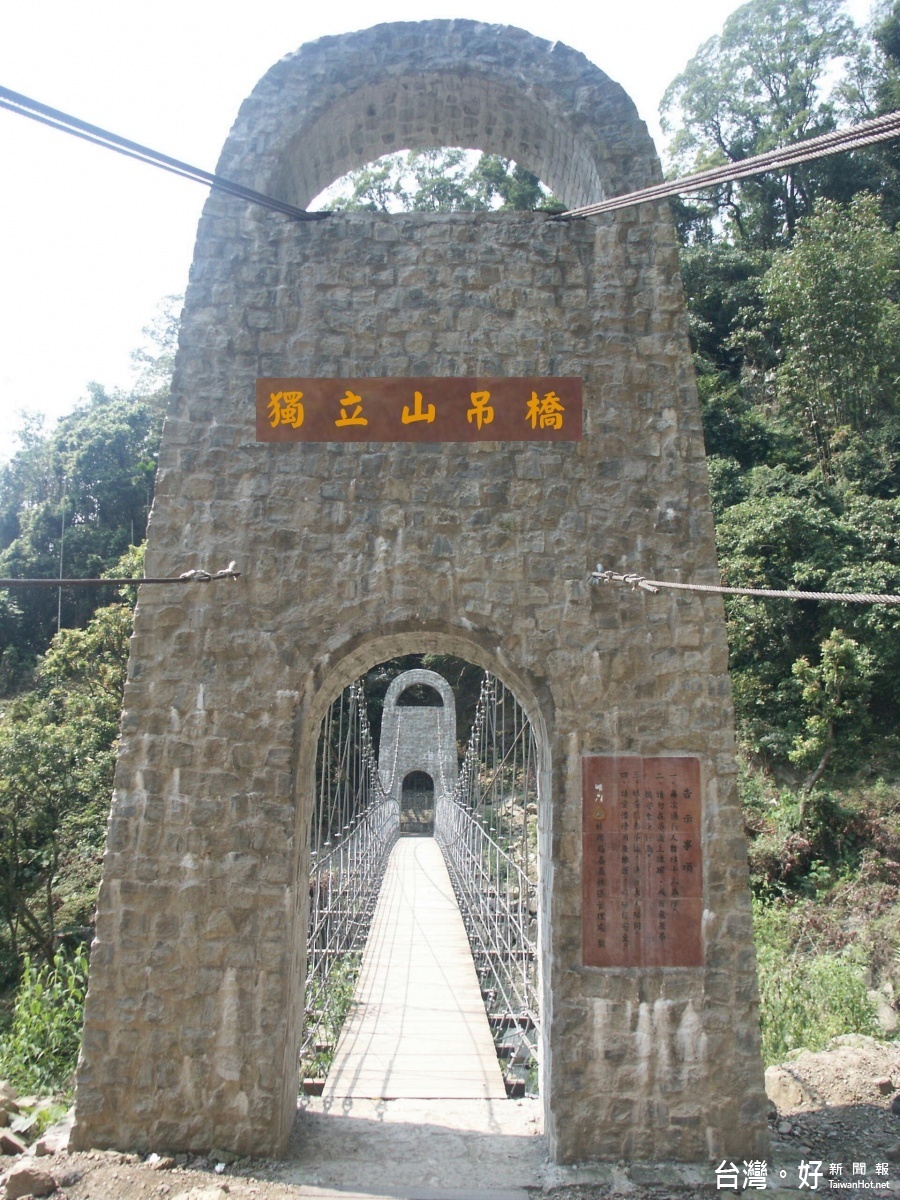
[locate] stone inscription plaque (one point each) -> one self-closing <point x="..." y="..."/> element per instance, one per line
<point x="419" y="410"/>
<point x="642" y="866"/>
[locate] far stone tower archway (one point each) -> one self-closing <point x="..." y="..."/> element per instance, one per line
<point x="418" y="737"/>
<point x="353" y="552"/>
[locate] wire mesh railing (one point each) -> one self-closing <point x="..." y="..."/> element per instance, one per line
<point x="487" y="830"/>
<point x="354" y="826"/>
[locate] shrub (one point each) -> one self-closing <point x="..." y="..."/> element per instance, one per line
<point x="804" y="1001"/>
<point x="41" y="1048"/>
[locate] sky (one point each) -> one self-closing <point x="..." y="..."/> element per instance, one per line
<point x="91" y="242"/>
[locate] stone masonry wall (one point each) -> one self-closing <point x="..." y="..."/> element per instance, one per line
<point x="418" y="737"/>
<point x="351" y="554"/>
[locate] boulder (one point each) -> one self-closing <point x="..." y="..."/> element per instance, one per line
<point x="11" y="1144"/>
<point x="29" y="1181"/>
<point x="784" y="1089"/>
<point x="885" y="1013"/>
<point x="56" y="1138"/>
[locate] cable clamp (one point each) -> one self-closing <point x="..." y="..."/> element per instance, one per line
<point x="599" y="575"/>
<point x="198" y="575"/>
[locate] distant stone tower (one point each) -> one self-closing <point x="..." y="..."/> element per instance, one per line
<point x="418" y="739"/>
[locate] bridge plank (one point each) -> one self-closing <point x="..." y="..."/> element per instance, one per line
<point x="417" y="1027"/>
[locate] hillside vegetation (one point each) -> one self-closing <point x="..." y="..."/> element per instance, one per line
<point x="791" y="283"/>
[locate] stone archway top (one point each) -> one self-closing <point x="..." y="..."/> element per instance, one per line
<point x="340" y="102"/>
<point x="419" y="675"/>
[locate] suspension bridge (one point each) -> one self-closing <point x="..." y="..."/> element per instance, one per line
<point x="422" y="948"/>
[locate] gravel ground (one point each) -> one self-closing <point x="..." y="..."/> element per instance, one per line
<point x="834" y="1110"/>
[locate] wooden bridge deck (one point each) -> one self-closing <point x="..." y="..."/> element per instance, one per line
<point x="417" y="1028"/>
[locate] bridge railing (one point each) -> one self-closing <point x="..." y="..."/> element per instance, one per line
<point x="354" y="827"/>
<point x="487" y="830"/>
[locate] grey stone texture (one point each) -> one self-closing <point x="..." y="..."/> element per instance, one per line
<point x="352" y="554"/>
<point x="418" y="737"/>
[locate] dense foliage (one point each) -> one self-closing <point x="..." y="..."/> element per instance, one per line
<point x="798" y="356"/>
<point x="792" y="289"/>
<point x="40" y="1050"/>
<point x="76" y="497"/>
<point x="442" y="180"/>
<point x="57" y="752"/>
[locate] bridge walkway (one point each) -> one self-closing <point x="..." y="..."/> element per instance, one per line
<point x="417" y="1027"/>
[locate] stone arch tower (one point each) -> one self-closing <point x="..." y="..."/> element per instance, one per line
<point x="418" y="737"/>
<point x="354" y="553"/>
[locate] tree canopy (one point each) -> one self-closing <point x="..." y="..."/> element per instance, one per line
<point x="771" y="78"/>
<point x="442" y="179"/>
<point x="792" y="291"/>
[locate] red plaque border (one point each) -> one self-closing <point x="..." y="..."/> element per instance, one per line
<point x="426" y="409"/>
<point x="642" y="861"/>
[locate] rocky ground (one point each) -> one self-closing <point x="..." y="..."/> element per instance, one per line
<point x="834" y="1108"/>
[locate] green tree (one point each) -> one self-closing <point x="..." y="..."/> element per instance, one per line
<point x="833" y="295"/>
<point x="442" y="180"/>
<point x="870" y="89"/>
<point x="785" y="529"/>
<point x="723" y="289"/>
<point x="77" y="496"/>
<point x="57" y="754"/>
<point x="507" y="185"/>
<point x="768" y="80"/>
<point x="155" y="359"/>
<point x="874" y="566"/>
<point x="772" y="539"/>
<point x="834" y="694"/>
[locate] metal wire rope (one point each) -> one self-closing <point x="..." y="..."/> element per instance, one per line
<point x="24" y="106"/>
<point x="493" y="879"/>
<point x="599" y="575"/>
<point x="440" y="741"/>
<point x="196" y="576"/>
<point x="389" y="786"/>
<point x="868" y="133"/>
<point x="354" y="825"/>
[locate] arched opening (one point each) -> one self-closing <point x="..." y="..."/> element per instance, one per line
<point x="417" y="805"/>
<point x="496" y="116"/>
<point x="415" y="85"/>
<point x="485" y="832"/>
<point x="438" y="179"/>
<point x="420" y="695"/>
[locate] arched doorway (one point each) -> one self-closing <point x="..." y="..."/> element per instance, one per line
<point x="486" y="828"/>
<point x="417" y="805"/>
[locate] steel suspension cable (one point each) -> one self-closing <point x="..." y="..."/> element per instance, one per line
<point x="868" y="133"/>
<point x="196" y="576"/>
<point x="493" y="874"/>
<point x="599" y="575"/>
<point x="24" y="106"/>
<point x="353" y="826"/>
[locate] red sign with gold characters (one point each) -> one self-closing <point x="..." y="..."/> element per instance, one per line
<point x="642" y="866"/>
<point x="419" y="410"/>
